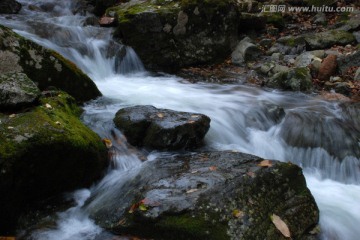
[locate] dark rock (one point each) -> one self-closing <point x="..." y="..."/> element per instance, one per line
<point x="251" y="22"/>
<point x="45" y="67"/>
<point x="357" y="75"/>
<point x="178" y="33"/>
<point x="289" y="45"/>
<point x="17" y="91"/>
<point x="9" y="7"/>
<point x="162" y="128"/>
<point x="357" y="36"/>
<point x="297" y="79"/>
<point x="345" y="62"/>
<point x="318" y="132"/>
<point x="327" y="68"/>
<point x="327" y="39"/>
<point x="245" y="51"/>
<point x="102" y="5"/>
<point x="44" y="152"/>
<point x="211" y="195"/>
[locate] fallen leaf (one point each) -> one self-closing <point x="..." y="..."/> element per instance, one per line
<point x="133" y="207"/>
<point x="48" y="106"/>
<point x="10" y="127"/>
<point x="192" y="190"/>
<point x="213" y="168"/>
<point x="238" y="213"/>
<point x="121" y="222"/>
<point x="195" y="171"/>
<point x="195" y="116"/>
<point x="107" y="142"/>
<point x="251" y="174"/>
<point x="160" y="115"/>
<point x="281" y="225"/>
<point x="142" y="207"/>
<point x="191" y="121"/>
<point x="7" y="238"/>
<point x="265" y="163"/>
<point x="12" y="115"/>
<point x="58" y="123"/>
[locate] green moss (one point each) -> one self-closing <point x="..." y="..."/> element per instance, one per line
<point x="276" y="19"/>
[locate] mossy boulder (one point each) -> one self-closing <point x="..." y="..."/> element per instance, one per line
<point x="162" y="128"/>
<point x="45" y="67"/>
<point x="168" y="35"/>
<point x="327" y="39"/>
<point x="17" y="91"/>
<point x="210" y="195"/>
<point x="297" y="79"/>
<point x="44" y="152"/>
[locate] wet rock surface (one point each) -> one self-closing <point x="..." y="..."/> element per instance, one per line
<point x="210" y="195"/>
<point x="162" y="128"/>
<point x="17" y="91"/>
<point x="45" y="67"/>
<point x="9" y="7"/>
<point x="44" y="152"/>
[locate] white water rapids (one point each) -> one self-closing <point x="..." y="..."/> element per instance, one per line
<point x="123" y="82"/>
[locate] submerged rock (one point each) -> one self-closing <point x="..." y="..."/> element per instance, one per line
<point x="169" y="35"/>
<point x="211" y="195"/>
<point x="43" y="152"/>
<point x="9" y="7"/>
<point x="17" y="91"/>
<point x="45" y="67"/>
<point x="162" y="128"/>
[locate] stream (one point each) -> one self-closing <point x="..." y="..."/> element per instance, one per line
<point x="239" y="120"/>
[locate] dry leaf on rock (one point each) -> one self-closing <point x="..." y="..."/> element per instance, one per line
<point x="265" y="163"/>
<point x="281" y="225"/>
<point x="192" y="190"/>
<point x="107" y="142"/>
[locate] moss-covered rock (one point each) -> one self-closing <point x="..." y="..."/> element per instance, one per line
<point x="211" y="195"/>
<point x="297" y="79"/>
<point x="168" y="35"/>
<point x="45" y="67"/>
<point x="327" y="39"/>
<point x="45" y="151"/>
<point x="17" y="91"/>
<point x="9" y="7"/>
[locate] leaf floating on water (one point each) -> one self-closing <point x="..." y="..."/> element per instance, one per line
<point x="107" y="142"/>
<point x="48" y="106"/>
<point x="281" y="225"/>
<point x="160" y="115"/>
<point x="192" y="190"/>
<point x="213" y="168"/>
<point x="237" y="213"/>
<point x="265" y="163"/>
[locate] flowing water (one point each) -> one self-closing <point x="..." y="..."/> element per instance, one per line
<point x="318" y="135"/>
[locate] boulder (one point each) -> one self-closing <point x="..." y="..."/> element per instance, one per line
<point x="327" y="68"/>
<point x="297" y="79"/>
<point x="169" y="35"/>
<point x="289" y="45"/>
<point x="9" y="7"/>
<point x="17" y="91"/>
<point x="329" y="38"/>
<point x="162" y="128"/>
<point x="319" y="131"/>
<point x="348" y="61"/>
<point x="45" y="67"/>
<point x="209" y="195"/>
<point x="245" y="51"/>
<point x="45" y="151"/>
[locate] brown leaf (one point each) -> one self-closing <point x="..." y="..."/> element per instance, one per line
<point x="160" y="115"/>
<point x="213" y="168"/>
<point x="265" y="163"/>
<point x="280" y="225"/>
<point x="192" y="190"/>
<point x="191" y="121"/>
<point x="7" y="238"/>
<point x="195" y="116"/>
<point x="107" y="142"/>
